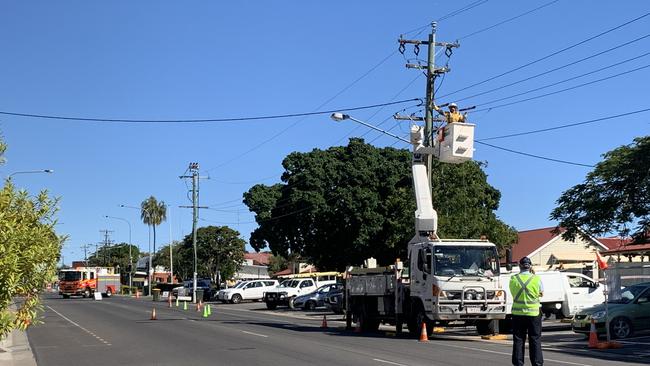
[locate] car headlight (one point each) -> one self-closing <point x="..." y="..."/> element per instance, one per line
<point x="598" y="315"/>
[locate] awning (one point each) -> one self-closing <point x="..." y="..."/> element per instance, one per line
<point x="574" y="257"/>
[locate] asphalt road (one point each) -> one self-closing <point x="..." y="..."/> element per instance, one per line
<point x="117" y="331"/>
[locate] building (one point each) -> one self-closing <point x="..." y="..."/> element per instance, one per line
<point x="255" y="266"/>
<point x="549" y="251"/>
<point x="625" y="250"/>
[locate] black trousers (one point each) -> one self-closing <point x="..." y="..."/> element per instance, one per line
<point x="530" y="326"/>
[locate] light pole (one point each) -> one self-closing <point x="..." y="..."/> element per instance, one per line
<point x="338" y="117"/>
<point x="30" y="172"/>
<point x="150" y="254"/>
<point x="130" y="245"/>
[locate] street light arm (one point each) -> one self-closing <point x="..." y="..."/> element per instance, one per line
<point x="31" y="172"/>
<point x="341" y="117"/>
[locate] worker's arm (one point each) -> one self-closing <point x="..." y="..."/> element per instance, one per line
<point x="438" y="109"/>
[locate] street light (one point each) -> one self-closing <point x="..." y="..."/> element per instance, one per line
<point x="338" y="117"/>
<point x="130" y="245"/>
<point x="150" y="255"/>
<point x="31" y="172"/>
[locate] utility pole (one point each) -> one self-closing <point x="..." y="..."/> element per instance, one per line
<point x="85" y="248"/>
<point x="194" y="171"/>
<point x="432" y="74"/>
<point x="106" y="244"/>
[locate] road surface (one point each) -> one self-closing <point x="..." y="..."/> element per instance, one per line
<point x="118" y="331"/>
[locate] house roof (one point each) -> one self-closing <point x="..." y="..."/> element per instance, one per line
<point x="529" y="241"/>
<point x="629" y="249"/>
<point x="260" y="259"/>
<point x="614" y="242"/>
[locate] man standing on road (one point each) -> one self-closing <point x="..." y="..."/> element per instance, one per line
<point x="526" y="289"/>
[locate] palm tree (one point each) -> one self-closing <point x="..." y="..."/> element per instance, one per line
<point x="153" y="213"/>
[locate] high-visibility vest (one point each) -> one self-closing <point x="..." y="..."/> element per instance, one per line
<point x="525" y="289"/>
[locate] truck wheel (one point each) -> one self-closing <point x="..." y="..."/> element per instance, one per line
<point x="271" y="305"/>
<point x="486" y="327"/>
<point x="415" y="324"/>
<point x="109" y="292"/>
<point x="87" y="293"/>
<point x="235" y="299"/>
<point x="66" y="296"/>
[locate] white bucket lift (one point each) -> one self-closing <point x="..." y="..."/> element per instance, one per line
<point x="455" y="143"/>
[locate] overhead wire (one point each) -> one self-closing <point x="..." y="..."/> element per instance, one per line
<point x="544" y="73"/>
<point x="534" y="156"/>
<point x="567" y="125"/>
<point x="549" y="55"/>
<point x="449" y="15"/>
<point x="564" y="90"/>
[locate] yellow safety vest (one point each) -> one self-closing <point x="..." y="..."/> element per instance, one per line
<point x="525" y="290"/>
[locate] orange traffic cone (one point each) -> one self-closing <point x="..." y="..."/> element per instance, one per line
<point x="593" y="336"/>
<point x="324" y="323"/>
<point x="153" y="314"/>
<point x="137" y="294"/>
<point x="169" y="300"/>
<point x="424" y="337"/>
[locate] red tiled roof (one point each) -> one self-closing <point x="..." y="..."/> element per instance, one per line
<point x="260" y="259"/>
<point x="530" y="240"/>
<point x="614" y="242"/>
<point x="284" y="272"/>
<point x="630" y="248"/>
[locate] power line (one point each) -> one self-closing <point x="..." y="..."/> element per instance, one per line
<point x="564" y="126"/>
<point x="448" y="15"/>
<point x="554" y="69"/>
<point x="235" y="119"/>
<point x="566" y="80"/>
<point x="534" y="156"/>
<point x="549" y="55"/>
<point x="563" y="90"/>
<point x="508" y="20"/>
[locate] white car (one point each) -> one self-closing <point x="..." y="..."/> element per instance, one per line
<point x="286" y="293"/>
<point x="246" y="290"/>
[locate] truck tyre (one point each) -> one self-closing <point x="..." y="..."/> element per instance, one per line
<point x="271" y="305"/>
<point x="235" y="299"/>
<point x="109" y="292"/>
<point x="87" y="293"/>
<point x="486" y="327"/>
<point x="66" y="296"/>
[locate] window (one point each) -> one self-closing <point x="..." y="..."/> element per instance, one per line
<point x="92" y="275"/>
<point x="307" y="283"/>
<point x="269" y="283"/>
<point x="259" y="284"/>
<point x="250" y="285"/>
<point x="576" y="281"/>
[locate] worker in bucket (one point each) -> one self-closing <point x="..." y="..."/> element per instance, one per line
<point x="452" y="115"/>
<point x="526" y="289"/>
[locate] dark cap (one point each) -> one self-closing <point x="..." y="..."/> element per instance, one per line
<point x="525" y="262"/>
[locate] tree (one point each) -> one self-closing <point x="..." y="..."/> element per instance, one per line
<point x="114" y="256"/>
<point x="161" y="258"/>
<point x="220" y="253"/>
<point x="153" y="213"/>
<point x="30" y="251"/>
<point x="613" y="197"/>
<point x="339" y="206"/>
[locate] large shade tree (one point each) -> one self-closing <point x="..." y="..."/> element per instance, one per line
<point x="615" y="196"/>
<point x="29" y="252"/>
<point x="339" y="206"/>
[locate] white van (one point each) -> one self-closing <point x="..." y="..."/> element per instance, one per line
<point x="565" y="293"/>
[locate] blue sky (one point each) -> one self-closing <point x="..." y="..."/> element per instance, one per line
<point x="173" y="60"/>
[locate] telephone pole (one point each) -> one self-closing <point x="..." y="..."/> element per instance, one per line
<point x="194" y="171"/>
<point x="432" y="74"/>
<point x="106" y="244"/>
<point x="85" y="248"/>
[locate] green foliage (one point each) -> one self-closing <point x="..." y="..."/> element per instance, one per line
<point x="219" y="250"/>
<point x="113" y="256"/>
<point x="30" y="251"/>
<point x="341" y="205"/>
<point x="161" y="258"/>
<point x="277" y="263"/>
<point x="153" y="213"/>
<point x="613" y="197"/>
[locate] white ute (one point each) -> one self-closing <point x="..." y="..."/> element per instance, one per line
<point x="246" y="290"/>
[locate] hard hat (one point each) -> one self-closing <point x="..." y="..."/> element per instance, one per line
<point x="453" y="105"/>
<point x="525" y="262"/>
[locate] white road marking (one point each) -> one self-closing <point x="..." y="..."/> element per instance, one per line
<point x="78" y="326"/>
<point x="388" y="362"/>
<point x="255" y="334"/>
<point x="510" y="354"/>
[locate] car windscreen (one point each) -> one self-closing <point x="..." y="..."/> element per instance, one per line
<point x="465" y="261"/>
<point x="292" y="283"/>
<point x="240" y="284"/>
<point x="70" y="276"/>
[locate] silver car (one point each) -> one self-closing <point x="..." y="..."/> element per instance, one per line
<point x="315" y="299"/>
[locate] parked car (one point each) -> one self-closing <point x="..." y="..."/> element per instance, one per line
<point x="335" y="300"/>
<point x="315" y="299"/>
<point x="246" y="290"/>
<point x="628" y="315"/>
<point x="188" y="286"/>
<point x="286" y="293"/>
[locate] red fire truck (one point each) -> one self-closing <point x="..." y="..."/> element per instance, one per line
<point x="85" y="281"/>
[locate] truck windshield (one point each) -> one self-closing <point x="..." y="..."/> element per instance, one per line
<point x="465" y="261"/>
<point x="70" y="276"/>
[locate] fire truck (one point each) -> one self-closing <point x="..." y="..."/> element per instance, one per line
<point x="85" y="281"/>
